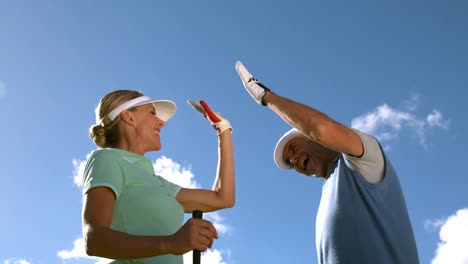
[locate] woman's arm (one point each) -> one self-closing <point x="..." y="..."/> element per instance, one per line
<point x="101" y="240"/>
<point x="223" y="193"/>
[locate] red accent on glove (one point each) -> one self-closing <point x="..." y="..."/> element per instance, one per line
<point x="211" y="115"/>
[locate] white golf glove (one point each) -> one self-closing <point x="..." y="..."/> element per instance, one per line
<point x="256" y="89"/>
<point x="218" y="122"/>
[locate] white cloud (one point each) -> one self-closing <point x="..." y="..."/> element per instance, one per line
<point x="217" y="220"/>
<point x="78" y="252"/>
<point x="174" y="172"/>
<point x="435" y="119"/>
<point x="383" y="116"/>
<point x="453" y="239"/>
<point x="413" y="103"/>
<point x="210" y="256"/>
<point x="433" y="224"/>
<point x="16" y="261"/>
<point x="78" y="170"/>
<point x="386" y="123"/>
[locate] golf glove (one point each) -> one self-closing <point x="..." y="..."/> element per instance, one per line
<point x="219" y="122"/>
<point x="256" y="89"/>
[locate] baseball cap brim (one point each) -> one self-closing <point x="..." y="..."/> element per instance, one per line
<point x="278" y="153"/>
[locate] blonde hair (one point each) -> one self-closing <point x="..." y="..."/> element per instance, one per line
<point x="105" y="133"/>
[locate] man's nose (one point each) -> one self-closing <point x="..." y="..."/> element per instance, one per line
<point x="293" y="159"/>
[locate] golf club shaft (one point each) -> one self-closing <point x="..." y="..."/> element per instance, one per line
<point x="196" y="253"/>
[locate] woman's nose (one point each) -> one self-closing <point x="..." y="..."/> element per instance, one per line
<point x="160" y="122"/>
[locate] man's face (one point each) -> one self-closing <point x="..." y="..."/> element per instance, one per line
<point x="305" y="156"/>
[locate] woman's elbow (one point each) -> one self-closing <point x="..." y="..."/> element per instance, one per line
<point x="91" y="245"/>
<point x="229" y="203"/>
<point x="223" y="201"/>
<point x="223" y="204"/>
<point x="90" y="250"/>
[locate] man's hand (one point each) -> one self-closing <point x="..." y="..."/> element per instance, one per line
<point x="219" y="122"/>
<point x="255" y="88"/>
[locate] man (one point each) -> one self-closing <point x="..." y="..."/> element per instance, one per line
<point x="362" y="217"/>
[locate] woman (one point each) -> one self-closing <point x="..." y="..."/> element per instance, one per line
<point x="132" y="215"/>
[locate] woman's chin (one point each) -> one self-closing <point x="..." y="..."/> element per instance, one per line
<point x="156" y="147"/>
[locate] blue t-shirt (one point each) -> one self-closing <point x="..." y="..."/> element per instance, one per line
<point x="362" y="222"/>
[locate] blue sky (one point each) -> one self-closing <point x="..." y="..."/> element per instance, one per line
<point x="396" y="69"/>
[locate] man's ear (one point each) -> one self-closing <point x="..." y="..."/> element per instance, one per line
<point x="128" y="117"/>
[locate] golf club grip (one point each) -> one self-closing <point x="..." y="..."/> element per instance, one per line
<point x="196" y="253"/>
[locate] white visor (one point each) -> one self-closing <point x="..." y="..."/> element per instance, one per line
<point x="278" y="153"/>
<point x="165" y="109"/>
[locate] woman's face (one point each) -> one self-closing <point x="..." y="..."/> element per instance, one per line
<point x="148" y="127"/>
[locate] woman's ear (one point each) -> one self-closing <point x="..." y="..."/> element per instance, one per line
<point x="128" y="117"/>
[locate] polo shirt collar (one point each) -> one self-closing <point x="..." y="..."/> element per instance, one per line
<point x="129" y="156"/>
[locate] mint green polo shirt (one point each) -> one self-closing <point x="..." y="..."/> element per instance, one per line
<point x="145" y="202"/>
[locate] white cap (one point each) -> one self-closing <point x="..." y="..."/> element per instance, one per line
<point x="278" y="153"/>
<point x="165" y="109"/>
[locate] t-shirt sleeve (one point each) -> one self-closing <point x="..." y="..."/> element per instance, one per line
<point x="371" y="165"/>
<point x="103" y="169"/>
<point x="171" y="188"/>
